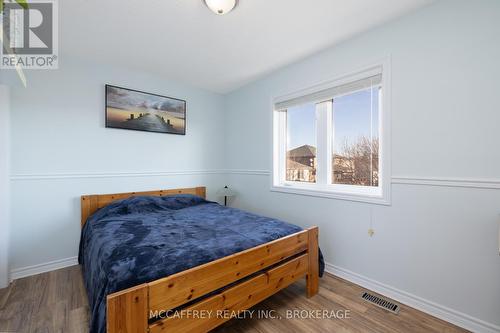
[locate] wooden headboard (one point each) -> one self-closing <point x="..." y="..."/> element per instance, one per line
<point x="91" y="203"/>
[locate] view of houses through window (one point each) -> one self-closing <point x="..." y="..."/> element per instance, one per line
<point x="301" y="143"/>
<point x="355" y="146"/>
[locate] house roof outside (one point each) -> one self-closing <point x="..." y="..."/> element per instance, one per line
<point x="302" y="151"/>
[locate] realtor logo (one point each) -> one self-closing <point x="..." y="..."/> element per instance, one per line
<point x="30" y="35"/>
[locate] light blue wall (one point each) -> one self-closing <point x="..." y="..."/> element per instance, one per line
<point x="435" y="242"/>
<point x="60" y="150"/>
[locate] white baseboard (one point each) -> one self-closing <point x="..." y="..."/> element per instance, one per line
<point x="18" y="273"/>
<point x="434" y="309"/>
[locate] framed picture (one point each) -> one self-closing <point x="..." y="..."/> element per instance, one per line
<point x="140" y="111"/>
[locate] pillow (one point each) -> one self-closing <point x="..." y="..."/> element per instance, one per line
<point x="147" y="204"/>
<point x="179" y="201"/>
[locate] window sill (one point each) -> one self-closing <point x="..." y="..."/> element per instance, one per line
<point x="374" y="199"/>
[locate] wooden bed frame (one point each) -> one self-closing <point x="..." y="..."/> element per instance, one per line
<point x="254" y="275"/>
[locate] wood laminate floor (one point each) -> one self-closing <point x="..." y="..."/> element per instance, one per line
<point x="57" y="302"/>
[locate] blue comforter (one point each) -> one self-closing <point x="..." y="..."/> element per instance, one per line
<point x="142" y="239"/>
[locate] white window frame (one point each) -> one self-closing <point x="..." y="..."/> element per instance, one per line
<point x="323" y="186"/>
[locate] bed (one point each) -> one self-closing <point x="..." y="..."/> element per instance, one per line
<point x="152" y="260"/>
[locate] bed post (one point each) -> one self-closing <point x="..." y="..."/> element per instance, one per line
<point x="89" y="206"/>
<point x="201" y="192"/>
<point x="313" y="266"/>
<point x="127" y="311"/>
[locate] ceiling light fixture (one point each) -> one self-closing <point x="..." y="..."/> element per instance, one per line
<point x="221" y="7"/>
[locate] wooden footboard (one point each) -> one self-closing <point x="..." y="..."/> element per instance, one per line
<point x="247" y="277"/>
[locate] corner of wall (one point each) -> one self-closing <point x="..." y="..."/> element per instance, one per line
<point x="4" y="185"/>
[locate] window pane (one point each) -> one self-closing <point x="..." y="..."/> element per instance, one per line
<point x="356" y="138"/>
<point x="301" y="143"/>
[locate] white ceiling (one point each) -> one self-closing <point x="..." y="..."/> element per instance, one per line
<point x="183" y="40"/>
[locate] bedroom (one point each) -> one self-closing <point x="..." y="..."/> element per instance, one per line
<point x="374" y="121"/>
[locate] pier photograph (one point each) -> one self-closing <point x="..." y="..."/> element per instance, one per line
<point x="137" y="110"/>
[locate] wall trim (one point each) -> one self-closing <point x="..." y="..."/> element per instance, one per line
<point x="419" y="303"/>
<point x="22" y="272"/>
<point x="448" y="182"/>
<point x="402" y="180"/>
<point x="411" y="180"/>
<point x="50" y="176"/>
<point x="248" y="172"/>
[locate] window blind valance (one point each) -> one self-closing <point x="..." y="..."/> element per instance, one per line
<point x="330" y="93"/>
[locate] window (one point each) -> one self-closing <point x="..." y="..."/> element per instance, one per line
<point x="329" y="140"/>
<point x="355" y="138"/>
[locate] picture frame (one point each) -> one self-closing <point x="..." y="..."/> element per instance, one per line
<point x="137" y="110"/>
